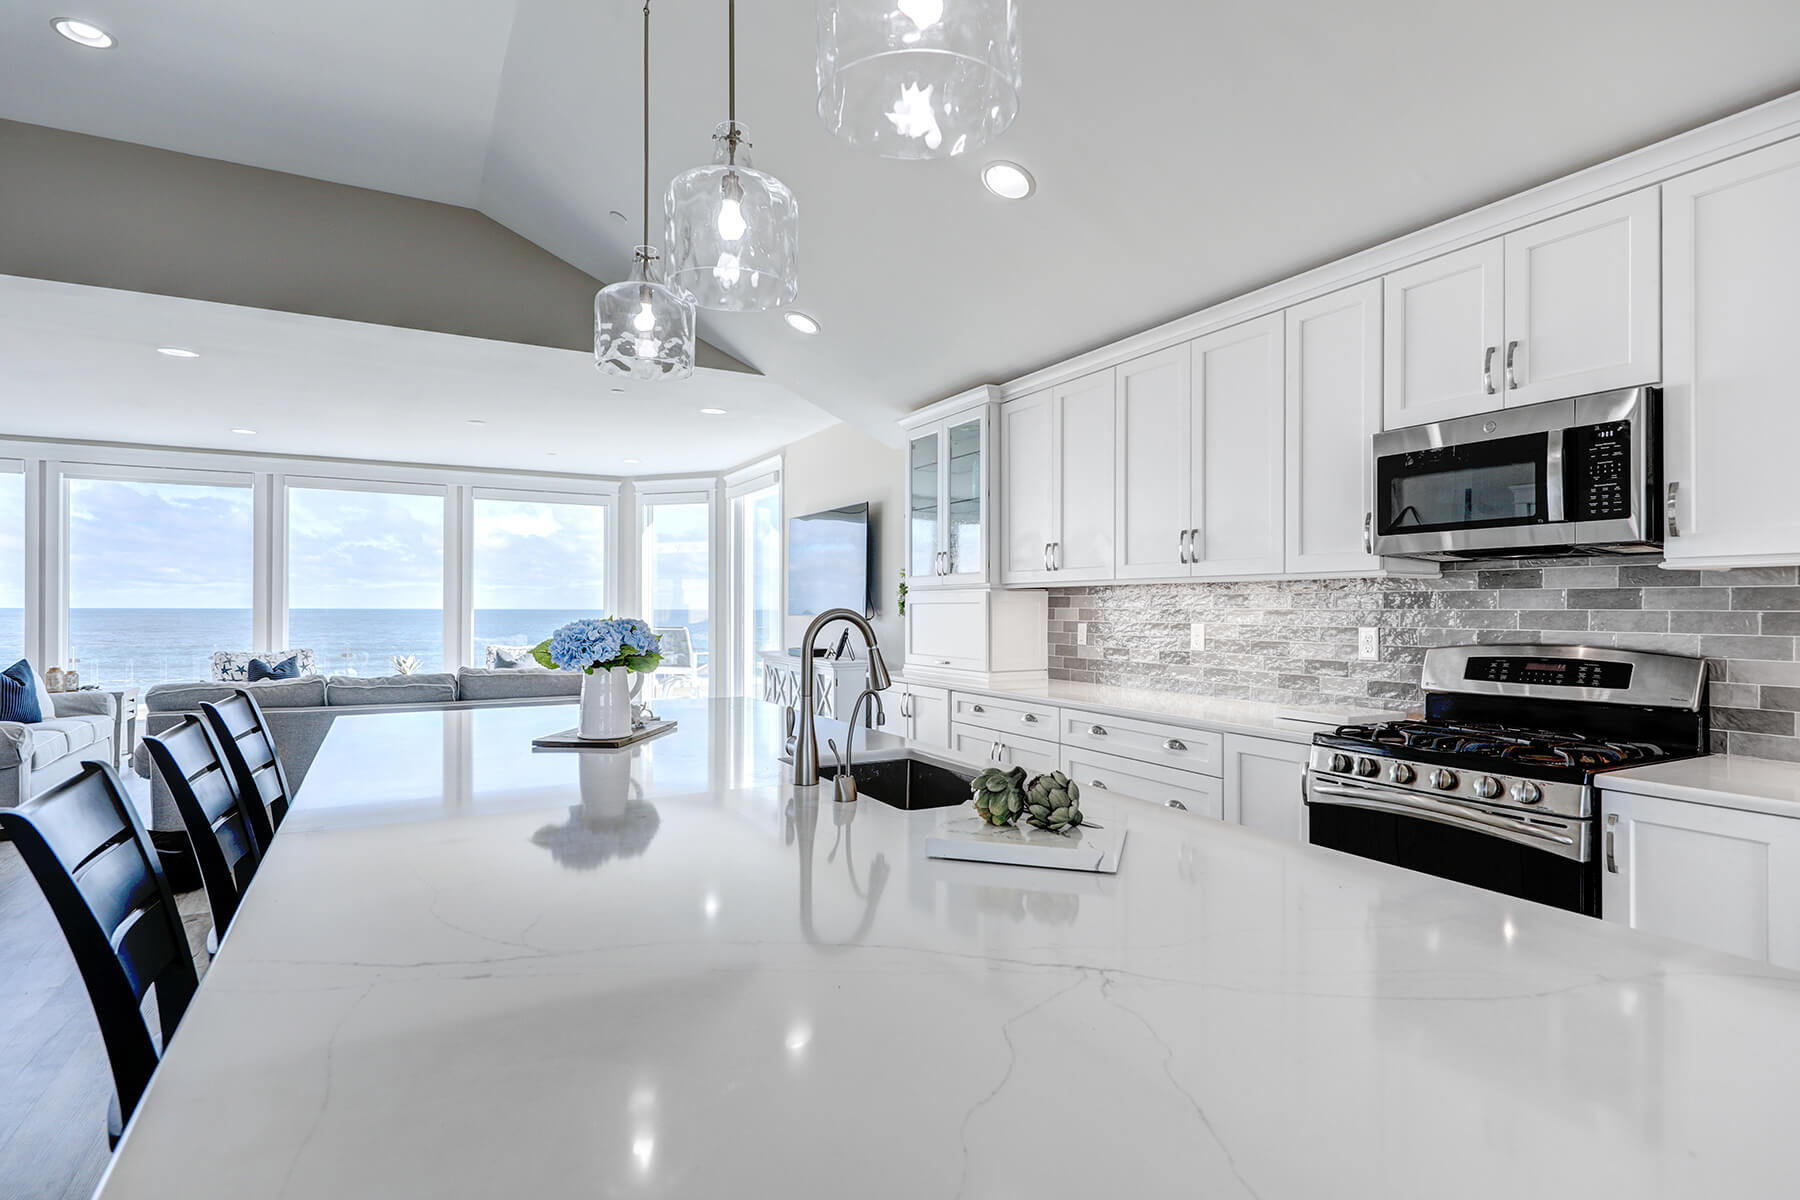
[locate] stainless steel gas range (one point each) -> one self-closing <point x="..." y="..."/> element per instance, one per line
<point x="1496" y="785"/>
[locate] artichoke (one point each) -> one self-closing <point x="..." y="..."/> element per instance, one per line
<point x="999" y="795"/>
<point x="1053" y="802"/>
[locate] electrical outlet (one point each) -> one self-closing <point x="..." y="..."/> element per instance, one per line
<point x="1081" y="634"/>
<point x="1197" y="637"/>
<point x="1368" y="642"/>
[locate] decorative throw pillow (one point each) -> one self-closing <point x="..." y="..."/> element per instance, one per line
<point x="287" y="668"/>
<point x="515" y="658"/>
<point x="19" y="694"/>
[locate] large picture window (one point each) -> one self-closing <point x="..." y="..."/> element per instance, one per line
<point x="538" y="564"/>
<point x="677" y="588"/>
<point x="756" y="613"/>
<point x="159" y="577"/>
<point x="12" y="566"/>
<point x="366" y="578"/>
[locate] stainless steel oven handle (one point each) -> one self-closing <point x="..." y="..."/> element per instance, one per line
<point x="1459" y="816"/>
<point x="1553" y="476"/>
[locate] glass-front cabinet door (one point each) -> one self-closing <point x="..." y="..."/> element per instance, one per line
<point x="924" y="486"/>
<point x="963" y="478"/>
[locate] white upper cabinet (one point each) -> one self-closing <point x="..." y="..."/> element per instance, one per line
<point x="947" y="468"/>
<point x="1333" y="412"/>
<point x="1027" y="488"/>
<point x="1731" y="306"/>
<point x="1154" y="443"/>
<point x="1237" y="458"/>
<point x="1444" y="323"/>
<point x="1057" y="513"/>
<point x="1583" y="302"/>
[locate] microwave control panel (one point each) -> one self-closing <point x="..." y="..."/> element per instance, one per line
<point x="1602" y="460"/>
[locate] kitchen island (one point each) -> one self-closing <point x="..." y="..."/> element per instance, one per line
<point x="471" y="970"/>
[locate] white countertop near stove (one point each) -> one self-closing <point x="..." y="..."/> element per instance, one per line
<point x="1723" y="780"/>
<point x="1288" y="722"/>
<point x="468" y="970"/>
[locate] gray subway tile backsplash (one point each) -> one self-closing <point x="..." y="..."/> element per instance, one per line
<point x="1294" y="642"/>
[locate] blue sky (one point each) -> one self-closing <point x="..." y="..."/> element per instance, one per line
<point x="139" y="545"/>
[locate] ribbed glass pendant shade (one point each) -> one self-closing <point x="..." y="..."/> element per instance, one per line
<point x="918" y="78"/>
<point x="643" y="330"/>
<point x="733" y="231"/>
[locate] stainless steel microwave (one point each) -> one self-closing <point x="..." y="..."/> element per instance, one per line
<point x="1578" y="476"/>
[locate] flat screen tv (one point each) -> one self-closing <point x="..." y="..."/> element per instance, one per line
<point x="829" y="561"/>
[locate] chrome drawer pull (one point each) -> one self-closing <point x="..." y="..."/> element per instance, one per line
<point x="1674" y="525"/>
<point x="1097" y="783"/>
<point x="1174" y="744"/>
<point x="1175" y="804"/>
<point x="1097" y="730"/>
<point x="1612" y="861"/>
<point x="1029" y="718"/>
<point x="976" y="708"/>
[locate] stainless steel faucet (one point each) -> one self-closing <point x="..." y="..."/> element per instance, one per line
<point x="806" y="745"/>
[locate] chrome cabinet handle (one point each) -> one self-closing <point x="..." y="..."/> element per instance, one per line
<point x="1368" y="533"/>
<point x="976" y="708"/>
<point x="1487" y="370"/>
<point x="1612" y="861"/>
<point x="1097" y="783"/>
<point x="1184" y="547"/>
<point x="1174" y="744"/>
<point x="1195" y="553"/>
<point x="1097" y="730"/>
<point x="1512" y="381"/>
<point x="1029" y="718"/>
<point x="1176" y="804"/>
<point x="1056" y="556"/>
<point x="1672" y="522"/>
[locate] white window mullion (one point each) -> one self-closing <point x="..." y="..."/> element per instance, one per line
<point x="459" y="577"/>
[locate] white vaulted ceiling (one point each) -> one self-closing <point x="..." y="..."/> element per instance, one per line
<point x="1184" y="151"/>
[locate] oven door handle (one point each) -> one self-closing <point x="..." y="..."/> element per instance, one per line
<point x="1573" y="844"/>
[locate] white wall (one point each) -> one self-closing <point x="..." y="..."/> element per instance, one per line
<point x="843" y="465"/>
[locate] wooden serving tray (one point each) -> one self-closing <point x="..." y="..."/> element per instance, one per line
<point x="571" y="739"/>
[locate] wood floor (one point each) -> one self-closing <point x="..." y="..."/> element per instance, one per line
<point x="54" y="1080"/>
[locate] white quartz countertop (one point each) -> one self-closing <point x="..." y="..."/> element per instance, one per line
<point x="1722" y="780"/>
<point x="1288" y="722"/>
<point x="469" y="970"/>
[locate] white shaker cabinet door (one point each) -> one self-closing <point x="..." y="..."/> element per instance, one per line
<point x="1715" y="877"/>
<point x="1028" y="488"/>
<point x="1263" y="785"/>
<point x="1238" y="458"/>
<point x="1731" y="306"/>
<point x="1154" y="419"/>
<point x="1333" y="413"/>
<point x="1086" y="426"/>
<point x="1584" y="302"/>
<point x="1442" y="328"/>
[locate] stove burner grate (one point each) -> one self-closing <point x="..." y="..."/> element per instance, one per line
<point x="1530" y="747"/>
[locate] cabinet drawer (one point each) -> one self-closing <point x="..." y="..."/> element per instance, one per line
<point x="1202" y="795"/>
<point x="977" y="745"/>
<point x="1144" y="741"/>
<point x="1025" y="718"/>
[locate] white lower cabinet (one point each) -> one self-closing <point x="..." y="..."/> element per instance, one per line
<point x="924" y="715"/>
<point x="985" y="746"/>
<point x="1264" y="778"/>
<point x="1716" y="877"/>
<point x="1188" y="791"/>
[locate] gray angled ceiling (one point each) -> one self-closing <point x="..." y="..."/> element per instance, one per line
<point x="1185" y="152"/>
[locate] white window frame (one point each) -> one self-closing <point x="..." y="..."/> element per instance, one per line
<point x="739" y="484"/>
<point x="28" y="553"/>
<point x="689" y="490"/>
<point x="605" y="498"/>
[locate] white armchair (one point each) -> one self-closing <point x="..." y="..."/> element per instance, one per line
<point x="682" y="667"/>
<point x="39" y="756"/>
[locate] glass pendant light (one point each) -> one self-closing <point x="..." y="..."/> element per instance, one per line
<point x="643" y="330"/>
<point x="918" y="78"/>
<point x="733" y="231"/>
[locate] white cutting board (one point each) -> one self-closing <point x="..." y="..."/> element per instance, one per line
<point x="961" y="834"/>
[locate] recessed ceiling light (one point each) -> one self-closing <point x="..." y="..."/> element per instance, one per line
<point x="713" y="412"/>
<point x="799" y="322"/>
<point x="550" y="453"/>
<point x="245" y="432"/>
<point x="1008" y="180"/>
<point x="177" y="352"/>
<point x="619" y="390"/>
<point x="632" y="462"/>
<point x="83" y="33"/>
<point x="476" y="421"/>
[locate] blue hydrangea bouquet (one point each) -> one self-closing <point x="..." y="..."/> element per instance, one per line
<point x="601" y="644"/>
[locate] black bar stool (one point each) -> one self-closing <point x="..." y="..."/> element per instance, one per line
<point x="243" y="734"/>
<point x="85" y="845"/>
<point x="218" y="820"/>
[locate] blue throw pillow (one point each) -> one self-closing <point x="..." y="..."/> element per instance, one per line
<point x="287" y="668"/>
<point x="18" y="695"/>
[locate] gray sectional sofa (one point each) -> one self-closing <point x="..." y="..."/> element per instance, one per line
<point x="36" y="757"/>
<point x="301" y="711"/>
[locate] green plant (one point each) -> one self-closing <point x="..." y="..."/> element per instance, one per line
<point x="1053" y="802"/>
<point x="999" y="795"/>
<point x="406" y="664"/>
<point x="903" y="591"/>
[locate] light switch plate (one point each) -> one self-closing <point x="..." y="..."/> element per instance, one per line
<point x="1368" y="642"/>
<point x="1081" y="634"/>
<point x="1197" y="637"/>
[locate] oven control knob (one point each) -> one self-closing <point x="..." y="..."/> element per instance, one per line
<point x="1341" y="764"/>
<point x="1368" y="767"/>
<point x="1443" y="780"/>
<point x="1400" y="773"/>
<point x="1526" y="792"/>
<point x="1487" y="787"/>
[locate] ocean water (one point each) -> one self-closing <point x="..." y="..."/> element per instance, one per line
<point x="156" y="645"/>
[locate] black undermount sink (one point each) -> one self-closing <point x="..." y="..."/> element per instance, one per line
<point x="908" y="783"/>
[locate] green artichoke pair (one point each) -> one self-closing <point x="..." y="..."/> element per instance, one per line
<point x="999" y="795"/>
<point x="1051" y="801"/>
